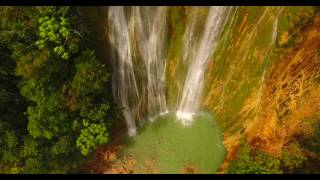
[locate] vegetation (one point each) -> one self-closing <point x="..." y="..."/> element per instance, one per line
<point x="252" y="161"/>
<point x="311" y="147"/>
<point x="52" y="110"/>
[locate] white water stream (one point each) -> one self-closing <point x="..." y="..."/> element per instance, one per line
<point x="138" y="39"/>
<point x="191" y="95"/>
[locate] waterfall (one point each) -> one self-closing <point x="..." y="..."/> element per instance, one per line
<point x="138" y="61"/>
<point x="124" y="81"/>
<point x="138" y="40"/>
<point x="192" y="90"/>
<point x="151" y="32"/>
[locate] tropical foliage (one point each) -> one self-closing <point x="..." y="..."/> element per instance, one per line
<point x="251" y="161"/>
<point x="52" y="110"/>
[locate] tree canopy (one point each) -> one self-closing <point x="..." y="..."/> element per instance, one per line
<point x="53" y="95"/>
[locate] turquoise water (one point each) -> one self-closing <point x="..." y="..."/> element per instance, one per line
<point x="172" y="147"/>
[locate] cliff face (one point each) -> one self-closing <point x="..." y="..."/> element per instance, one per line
<point x="263" y="83"/>
<point x="290" y="94"/>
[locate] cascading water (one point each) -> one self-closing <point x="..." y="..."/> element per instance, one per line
<point x="138" y="38"/>
<point x="138" y="45"/>
<point x="192" y="90"/>
<point x="123" y="78"/>
<point x="151" y="30"/>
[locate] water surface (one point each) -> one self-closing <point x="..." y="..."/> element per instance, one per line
<point x="172" y="147"/>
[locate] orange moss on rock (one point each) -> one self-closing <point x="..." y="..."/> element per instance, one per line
<point x="290" y="95"/>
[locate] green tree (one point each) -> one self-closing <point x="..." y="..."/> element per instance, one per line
<point x="293" y="157"/>
<point x="253" y="162"/>
<point x="53" y="97"/>
<point x="90" y="136"/>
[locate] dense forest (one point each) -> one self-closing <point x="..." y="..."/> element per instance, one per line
<point x="59" y="112"/>
<point x="55" y="106"/>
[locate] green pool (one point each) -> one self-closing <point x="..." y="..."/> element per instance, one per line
<point x="174" y="148"/>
